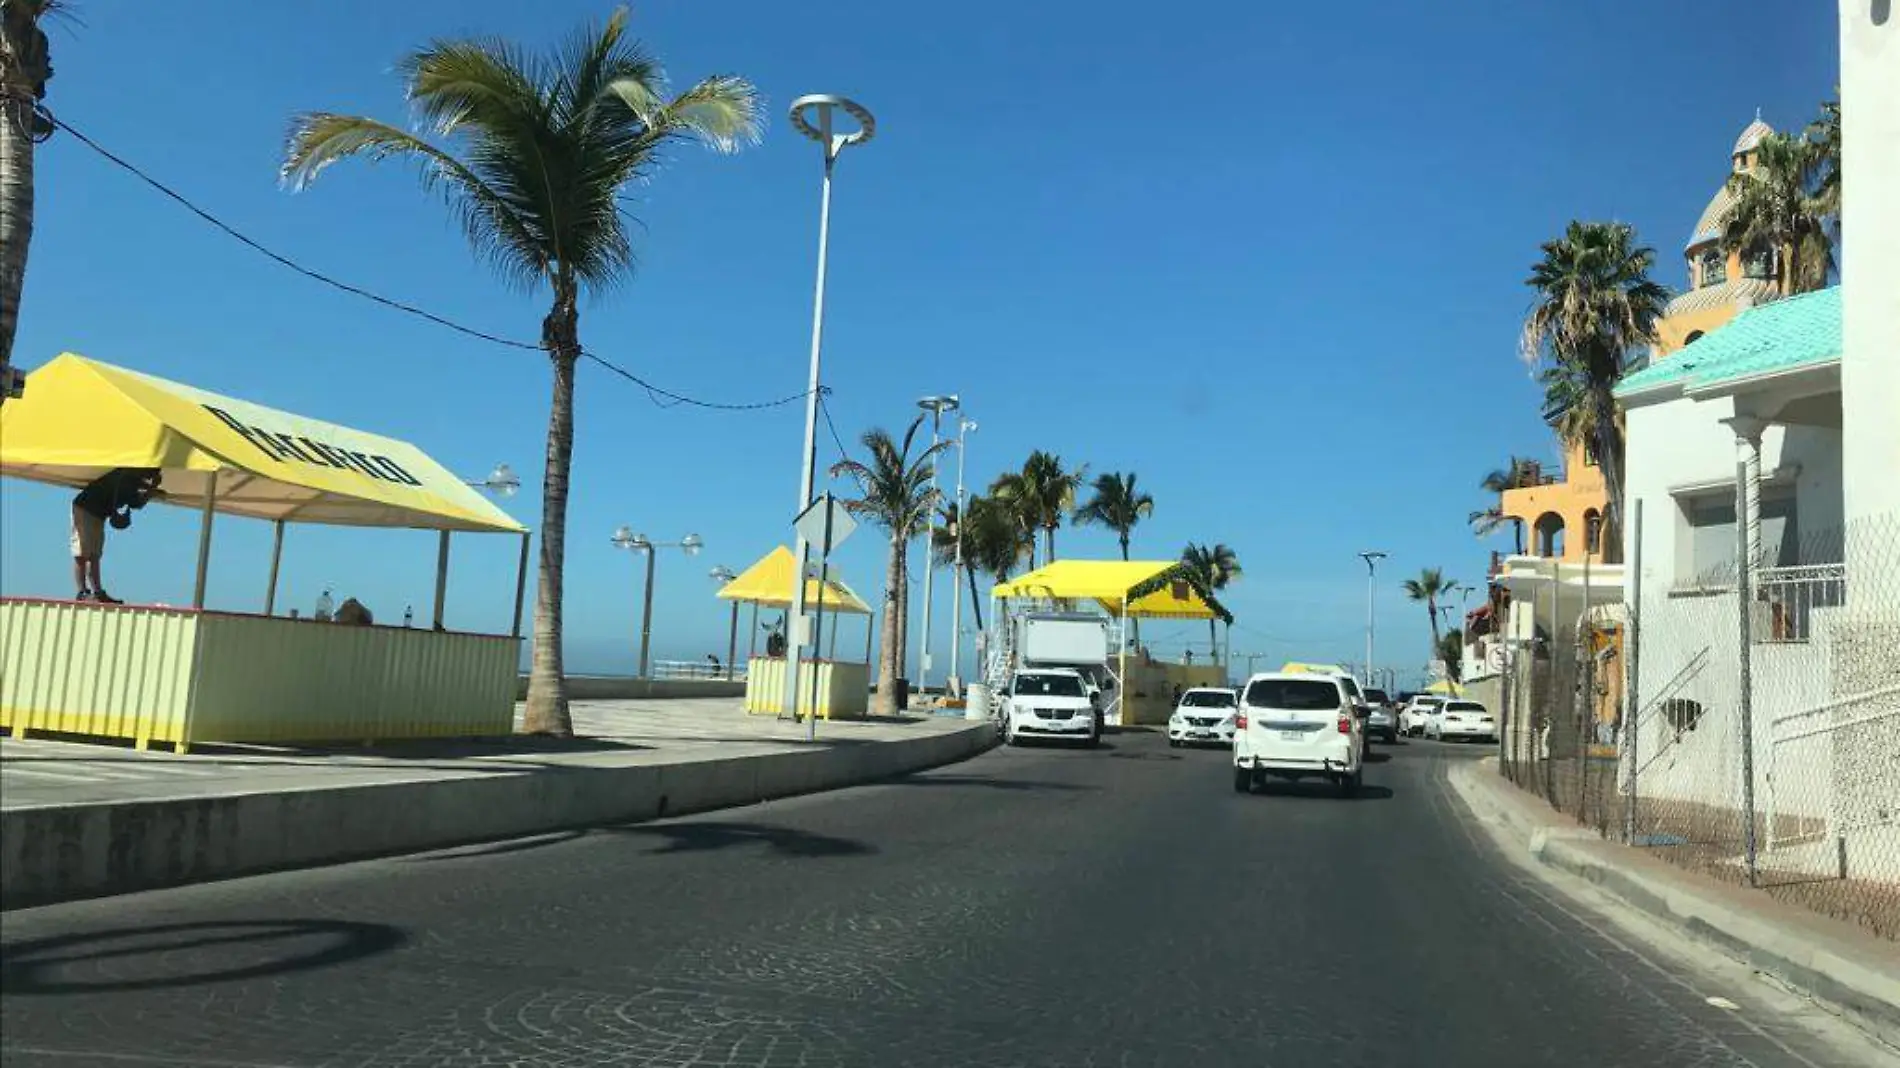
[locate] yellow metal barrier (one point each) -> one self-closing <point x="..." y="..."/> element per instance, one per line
<point x="843" y="689"/>
<point x="154" y="674"/>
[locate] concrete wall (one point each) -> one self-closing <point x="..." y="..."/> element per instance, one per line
<point x="617" y="687"/>
<point x="1870" y="253"/>
<point x="60" y="853"/>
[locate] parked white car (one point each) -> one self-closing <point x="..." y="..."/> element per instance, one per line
<point x="1416" y="716"/>
<point x="1458" y="719"/>
<point x="1050" y="703"/>
<point x="1205" y="714"/>
<point x="1297" y="727"/>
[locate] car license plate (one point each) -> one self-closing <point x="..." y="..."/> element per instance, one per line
<point x="1200" y="734"/>
<point x="1292" y="736"/>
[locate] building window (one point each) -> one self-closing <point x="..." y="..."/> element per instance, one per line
<point x="1705" y="546"/>
<point x="1694" y="336"/>
<point x="1589" y="452"/>
<point x="1548" y="535"/>
<point x="1714" y="268"/>
<point x="1593" y="532"/>
<point x="1759" y="262"/>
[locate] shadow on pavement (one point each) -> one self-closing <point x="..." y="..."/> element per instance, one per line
<point x="186" y="954"/>
<point x="1322" y="791"/>
<point x="1027" y="785"/>
<point x="496" y="849"/>
<point x="694" y="837"/>
<point x="1373" y="756"/>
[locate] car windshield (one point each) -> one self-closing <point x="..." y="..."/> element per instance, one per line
<point x="1296" y="695"/>
<point x="1377" y="697"/>
<point x="1207" y="699"/>
<point x="1049" y="686"/>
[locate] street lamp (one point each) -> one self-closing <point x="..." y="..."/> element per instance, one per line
<point x="625" y="538"/>
<point x="936" y="406"/>
<point x="502" y="481"/>
<point x="722" y="575"/>
<point x="964" y="428"/>
<point x="1372" y="558"/>
<point x="812" y="116"/>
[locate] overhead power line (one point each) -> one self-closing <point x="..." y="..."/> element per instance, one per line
<point x="654" y="393"/>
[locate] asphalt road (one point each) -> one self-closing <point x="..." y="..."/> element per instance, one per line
<point x="1030" y="907"/>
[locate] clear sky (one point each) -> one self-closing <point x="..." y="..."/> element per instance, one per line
<point x="1268" y="256"/>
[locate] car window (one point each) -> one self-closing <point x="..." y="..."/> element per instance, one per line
<point x="1377" y="697"/>
<point x="1208" y="699"/>
<point x="1352" y="688"/>
<point x="1464" y="706"/>
<point x="1294" y="695"/>
<point x="1048" y="686"/>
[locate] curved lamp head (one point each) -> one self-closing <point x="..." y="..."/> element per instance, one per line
<point x="939" y="405"/>
<point x="814" y="117"/>
<point x="692" y="544"/>
<point x="502" y="481"/>
<point x="721" y="574"/>
<point x="967" y="426"/>
<point x="626" y="538"/>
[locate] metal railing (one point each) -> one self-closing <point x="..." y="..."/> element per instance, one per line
<point x="1786" y="597"/>
<point x="698" y="669"/>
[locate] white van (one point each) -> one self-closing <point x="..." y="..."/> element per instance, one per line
<point x="1050" y="703"/>
<point x="1298" y="726"/>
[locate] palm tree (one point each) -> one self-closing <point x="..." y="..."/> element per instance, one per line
<point x="24" y="71"/>
<point x="1776" y="206"/>
<point x="1214" y="568"/>
<point x="1824" y="134"/>
<point x="1595" y="308"/>
<point x="1430" y="585"/>
<point x="1040" y="495"/>
<point x="1117" y="505"/>
<point x="897" y="496"/>
<point x="1451" y="649"/>
<point x="992" y="541"/>
<point x="531" y="154"/>
<point x="1521" y="472"/>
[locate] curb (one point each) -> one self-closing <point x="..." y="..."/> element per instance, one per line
<point x="1841" y="969"/>
<point x="67" y="852"/>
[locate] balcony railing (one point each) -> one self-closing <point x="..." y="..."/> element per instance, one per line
<point x="1786" y="597"/>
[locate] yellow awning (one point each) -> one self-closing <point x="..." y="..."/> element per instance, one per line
<point x="1295" y="667"/>
<point x="1446" y="686"/>
<point x="81" y="418"/>
<point x="769" y="582"/>
<point x="1153" y="589"/>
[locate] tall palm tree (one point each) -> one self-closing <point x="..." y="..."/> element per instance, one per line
<point x="1595" y="308"/>
<point x="992" y="541"/>
<point x="1214" y="568"/>
<point x="1824" y="133"/>
<point x="1776" y="206"/>
<point x="531" y="154"/>
<point x="897" y="496"/>
<point x="1430" y="585"/>
<point x="1117" y="505"/>
<point x="1040" y="495"/>
<point x="25" y="68"/>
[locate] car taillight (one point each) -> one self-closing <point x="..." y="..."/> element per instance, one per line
<point x="1240" y="720"/>
<point x="1345" y="724"/>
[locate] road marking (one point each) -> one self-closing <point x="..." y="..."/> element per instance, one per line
<point x="1723" y="1003"/>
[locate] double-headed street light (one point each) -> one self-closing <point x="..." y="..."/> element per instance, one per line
<point x="965" y="426"/>
<point x="814" y="116"/>
<point x="721" y="575"/>
<point x="1372" y="558"/>
<point x="502" y="481"/>
<point x="625" y="538"/>
<point x="936" y="406"/>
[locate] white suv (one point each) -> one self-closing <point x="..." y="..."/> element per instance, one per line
<point x="1297" y="727"/>
<point x="1049" y="703"/>
<point x="1205" y="714"/>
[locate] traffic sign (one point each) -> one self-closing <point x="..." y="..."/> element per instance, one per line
<point x="825" y="524"/>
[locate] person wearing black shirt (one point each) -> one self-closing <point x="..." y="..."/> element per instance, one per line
<point x="109" y="498"/>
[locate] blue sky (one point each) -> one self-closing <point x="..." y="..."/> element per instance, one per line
<point x="1269" y="257"/>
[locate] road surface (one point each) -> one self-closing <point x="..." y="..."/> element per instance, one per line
<point x="1037" y="907"/>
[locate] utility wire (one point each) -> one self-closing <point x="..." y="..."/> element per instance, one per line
<point x="654" y="393"/>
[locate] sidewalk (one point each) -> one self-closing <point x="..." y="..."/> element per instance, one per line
<point x="81" y="820"/>
<point x="1830" y="962"/>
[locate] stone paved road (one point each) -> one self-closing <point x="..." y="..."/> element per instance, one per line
<point x="1030" y="907"/>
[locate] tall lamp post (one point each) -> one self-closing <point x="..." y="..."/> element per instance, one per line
<point x="812" y="116"/>
<point x="722" y="574"/>
<point x="964" y="427"/>
<point x="936" y="406"/>
<point x="625" y="538"/>
<point x="1372" y="558"/>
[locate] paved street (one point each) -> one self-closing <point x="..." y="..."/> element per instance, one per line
<point x="1029" y="907"/>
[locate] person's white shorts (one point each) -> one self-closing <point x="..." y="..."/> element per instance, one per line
<point x="89" y="534"/>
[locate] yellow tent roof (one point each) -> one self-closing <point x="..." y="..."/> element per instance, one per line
<point x="81" y="418"/>
<point x="1109" y="582"/>
<point x="1446" y="686"/>
<point x="769" y="582"/>
<point x="1295" y="667"/>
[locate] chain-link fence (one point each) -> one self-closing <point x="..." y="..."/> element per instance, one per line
<point x="1762" y="748"/>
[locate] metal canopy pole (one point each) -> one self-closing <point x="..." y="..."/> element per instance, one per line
<point x="276" y="557"/>
<point x="521" y="582"/>
<point x="732" y="643"/>
<point x="204" y="539"/>
<point x="441" y="576"/>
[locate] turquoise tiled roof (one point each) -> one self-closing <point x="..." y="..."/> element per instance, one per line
<point x="1779" y="336"/>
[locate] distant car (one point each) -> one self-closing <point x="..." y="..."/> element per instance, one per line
<point x="1382" y="723"/>
<point x="1458" y="720"/>
<point x="1414" y="718"/>
<point x="1377" y="697"/>
<point x="1205" y="714"/>
<point x="1296" y="726"/>
<point x="1050" y="703"/>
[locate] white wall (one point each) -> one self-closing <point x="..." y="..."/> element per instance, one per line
<point x="1681" y="443"/>
<point x="1870" y="252"/>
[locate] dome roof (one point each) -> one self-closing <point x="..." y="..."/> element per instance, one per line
<point x="1751" y="136"/>
<point x="1714" y="218"/>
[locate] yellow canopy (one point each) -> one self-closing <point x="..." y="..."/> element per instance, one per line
<point x="769" y="582"/>
<point x="1152" y="589"/>
<point x="81" y="418"/>
<point x="1295" y="667"/>
<point x="1447" y="687"/>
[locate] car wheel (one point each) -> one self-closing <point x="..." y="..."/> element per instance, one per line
<point x="1174" y="743"/>
<point x="1243" y="781"/>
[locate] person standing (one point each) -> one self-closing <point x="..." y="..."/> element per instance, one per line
<point x="110" y="498"/>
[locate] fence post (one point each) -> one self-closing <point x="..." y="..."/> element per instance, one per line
<point x="1632" y="650"/>
<point x="1550" y="687"/>
<point x="1587" y="671"/>
<point x="1745" y="698"/>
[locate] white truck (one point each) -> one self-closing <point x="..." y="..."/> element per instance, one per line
<point x="1077" y="641"/>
